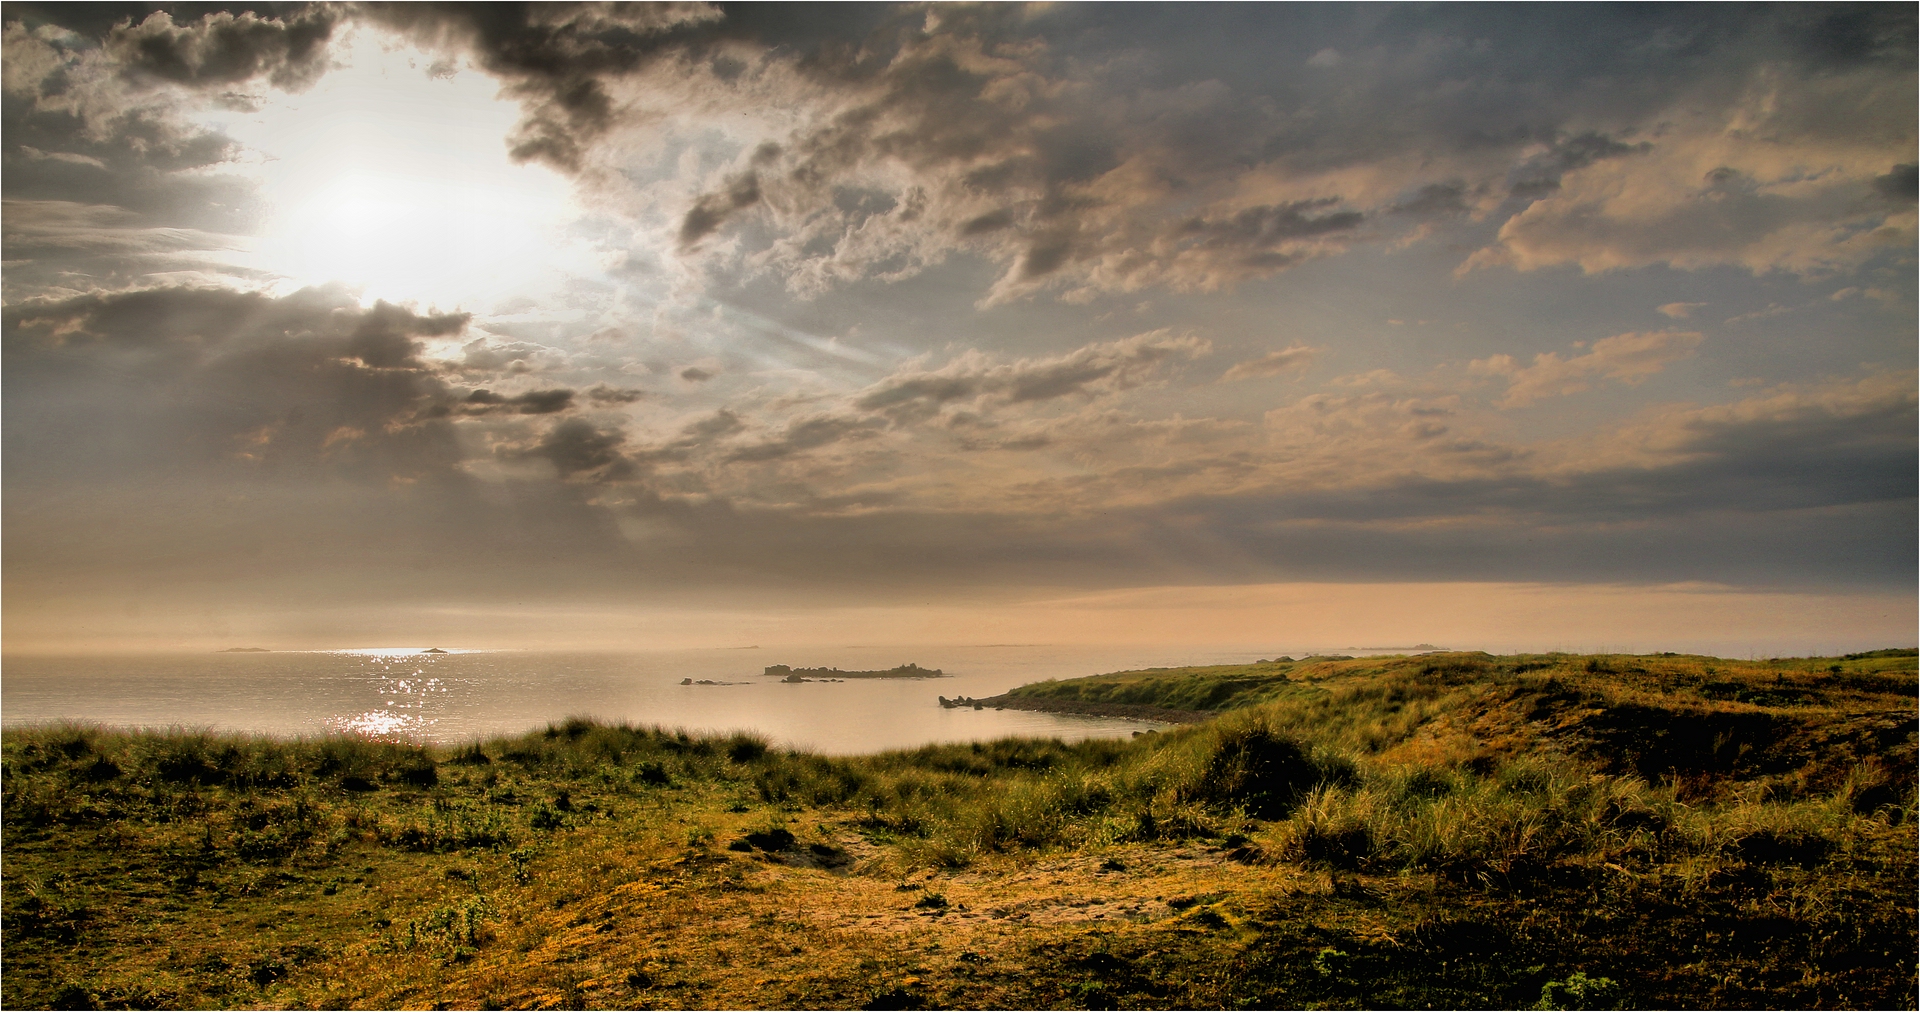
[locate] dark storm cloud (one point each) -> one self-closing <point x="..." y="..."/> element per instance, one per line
<point x="554" y="57"/>
<point x="712" y="210"/>
<point x="223" y="49"/>
<point x="1902" y="184"/>
<point x="1847" y="35"/>
<point x="210" y="319"/>
<point x="533" y="402"/>
<point x="604" y="394"/>
<point x="582" y="451"/>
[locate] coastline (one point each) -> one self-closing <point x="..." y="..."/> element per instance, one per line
<point x="1083" y="708"/>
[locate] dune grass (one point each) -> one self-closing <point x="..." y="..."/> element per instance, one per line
<point x="1459" y="829"/>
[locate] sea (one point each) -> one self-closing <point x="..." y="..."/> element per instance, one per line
<point x="405" y="693"/>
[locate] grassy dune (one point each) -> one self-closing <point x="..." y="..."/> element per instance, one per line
<point x="1547" y="831"/>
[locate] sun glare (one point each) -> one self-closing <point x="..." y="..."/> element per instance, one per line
<point x="397" y="182"/>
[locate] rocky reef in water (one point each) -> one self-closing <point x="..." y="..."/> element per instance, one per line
<point x="788" y="673"/>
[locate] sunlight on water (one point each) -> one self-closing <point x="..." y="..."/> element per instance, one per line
<point x="405" y="694"/>
<point x="421" y="653"/>
<point x="384" y="725"/>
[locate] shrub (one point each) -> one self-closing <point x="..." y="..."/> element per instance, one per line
<point x="471" y="755"/>
<point x="1579" y="991"/>
<point x="1255" y="769"/>
<point x="745" y="748"/>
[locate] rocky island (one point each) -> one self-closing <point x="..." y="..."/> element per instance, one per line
<point x="788" y="673"/>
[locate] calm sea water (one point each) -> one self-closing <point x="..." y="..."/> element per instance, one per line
<point x="459" y="696"/>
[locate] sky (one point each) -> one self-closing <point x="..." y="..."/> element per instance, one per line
<point x="628" y="326"/>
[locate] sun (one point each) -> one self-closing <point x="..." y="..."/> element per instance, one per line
<point x="397" y="183"/>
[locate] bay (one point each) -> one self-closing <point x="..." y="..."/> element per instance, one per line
<point x="447" y="698"/>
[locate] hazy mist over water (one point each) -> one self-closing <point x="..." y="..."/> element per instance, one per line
<point x="455" y="697"/>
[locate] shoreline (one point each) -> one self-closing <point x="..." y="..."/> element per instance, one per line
<point x="1083" y="708"/>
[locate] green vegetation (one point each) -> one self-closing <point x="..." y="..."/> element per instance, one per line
<point x="1217" y="687"/>
<point x="1546" y="831"/>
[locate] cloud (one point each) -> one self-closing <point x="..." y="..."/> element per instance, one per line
<point x="582" y="451"/>
<point x="1295" y="359"/>
<point x="1435" y="200"/>
<point x="1760" y="184"/>
<point x="1772" y="310"/>
<point x="223" y="49"/>
<point x="492" y="355"/>
<point x="1881" y="295"/>
<point x="1337" y="439"/>
<point x="533" y="402"/>
<point x="809" y="433"/>
<point x="103" y="169"/>
<point x="555" y="58"/>
<point x="1038" y="153"/>
<point x="1629" y="358"/>
<point x="189" y="401"/>
<point x="75" y="233"/>
<point x="712" y="210"/>
<point x="1093" y="370"/>
<point x="1541" y="173"/>
<point x="1901" y="184"/>
<point x="877" y="143"/>
<point x="602" y="393"/>
<point x="66" y="157"/>
<point x="179" y="379"/>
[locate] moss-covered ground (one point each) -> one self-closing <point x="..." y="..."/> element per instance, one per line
<point x="1451" y="830"/>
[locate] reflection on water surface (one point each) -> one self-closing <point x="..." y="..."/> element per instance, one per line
<point x="403" y="693"/>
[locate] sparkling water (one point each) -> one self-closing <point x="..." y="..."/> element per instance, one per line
<point x="406" y="693"/>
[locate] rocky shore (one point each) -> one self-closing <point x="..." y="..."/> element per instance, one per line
<point x="1130" y="711"/>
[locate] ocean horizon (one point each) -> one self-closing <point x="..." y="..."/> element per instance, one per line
<point x="403" y="693"/>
